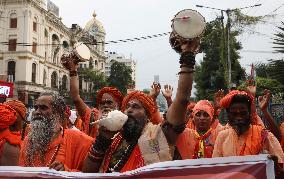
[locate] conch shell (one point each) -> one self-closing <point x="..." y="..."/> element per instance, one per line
<point x="114" y="120"/>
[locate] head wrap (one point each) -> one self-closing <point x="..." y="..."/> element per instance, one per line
<point x="227" y="100"/>
<point x="19" y="107"/>
<point x="147" y="102"/>
<point x="204" y="105"/>
<point x="115" y="93"/>
<point x="191" y="105"/>
<point x="73" y="117"/>
<point x="8" y="116"/>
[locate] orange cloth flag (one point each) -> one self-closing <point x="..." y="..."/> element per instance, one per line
<point x="253" y="142"/>
<point x="72" y="148"/>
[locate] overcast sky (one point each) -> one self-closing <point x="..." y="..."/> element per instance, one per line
<point x="123" y="19"/>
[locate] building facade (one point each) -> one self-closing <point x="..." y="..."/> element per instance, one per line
<point x="33" y="39"/>
<point x="113" y="56"/>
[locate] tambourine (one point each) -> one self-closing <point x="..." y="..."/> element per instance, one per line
<point x="80" y="53"/>
<point x="187" y="25"/>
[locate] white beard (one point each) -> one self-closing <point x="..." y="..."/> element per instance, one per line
<point x="39" y="138"/>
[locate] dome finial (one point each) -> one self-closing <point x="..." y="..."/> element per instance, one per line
<point x="94" y="14"/>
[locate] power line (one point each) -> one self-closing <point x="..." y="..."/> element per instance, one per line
<point x="96" y="43"/>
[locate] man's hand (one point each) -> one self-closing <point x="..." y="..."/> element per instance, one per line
<point x="217" y="98"/>
<point x="106" y="133"/>
<point x="56" y="165"/>
<point x="155" y="90"/>
<point x="264" y="100"/>
<point x="251" y="88"/>
<point x="168" y="91"/>
<point x="191" y="46"/>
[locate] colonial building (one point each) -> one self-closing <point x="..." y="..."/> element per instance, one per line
<point x="32" y="40"/>
<point x="113" y="56"/>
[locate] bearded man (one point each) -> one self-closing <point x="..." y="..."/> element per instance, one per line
<point x="107" y="99"/>
<point x="140" y="142"/>
<point x="48" y="144"/>
<point x="243" y="138"/>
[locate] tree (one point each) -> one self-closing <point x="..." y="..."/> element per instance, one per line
<point x="211" y="74"/>
<point x="273" y="85"/>
<point x="272" y="70"/>
<point x="98" y="80"/>
<point x="279" y="39"/>
<point x="120" y="76"/>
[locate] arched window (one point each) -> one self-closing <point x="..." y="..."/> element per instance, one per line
<point x="54" y="80"/>
<point x="55" y="48"/>
<point x="13" y="20"/>
<point x="65" y="44"/>
<point x="33" y="72"/>
<point x="64" y="82"/>
<point x="45" y="33"/>
<point x="11" y="71"/>
<point x="35" y="24"/>
<point x="44" y="78"/>
<point x="96" y="63"/>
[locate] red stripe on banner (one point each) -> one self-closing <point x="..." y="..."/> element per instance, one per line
<point x="248" y="170"/>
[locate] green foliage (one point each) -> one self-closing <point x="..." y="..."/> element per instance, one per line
<point x="279" y="39"/>
<point x="240" y="20"/>
<point x="273" y="70"/>
<point x="98" y="81"/>
<point x="146" y="91"/>
<point x="211" y="74"/>
<point x="273" y="85"/>
<point x="120" y="76"/>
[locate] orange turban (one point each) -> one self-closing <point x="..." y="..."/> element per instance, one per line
<point x="8" y="116"/>
<point x="191" y="105"/>
<point x="204" y="105"/>
<point x="226" y="101"/>
<point x="19" y="107"/>
<point x="115" y="93"/>
<point x="147" y="102"/>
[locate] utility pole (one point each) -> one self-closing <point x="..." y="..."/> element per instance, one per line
<point x="228" y="11"/>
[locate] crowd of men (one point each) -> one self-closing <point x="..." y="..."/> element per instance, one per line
<point x="66" y="140"/>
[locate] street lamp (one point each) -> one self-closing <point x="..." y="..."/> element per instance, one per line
<point x="228" y="11"/>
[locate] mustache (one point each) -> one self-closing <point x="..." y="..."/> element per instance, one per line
<point x="38" y="117"/>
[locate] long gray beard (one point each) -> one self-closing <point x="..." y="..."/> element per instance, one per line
<point x="42" y="131"/>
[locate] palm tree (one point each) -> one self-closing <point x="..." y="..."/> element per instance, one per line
<point x="279" y="39"/>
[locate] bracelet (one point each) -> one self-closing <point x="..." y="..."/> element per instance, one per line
<point x="187" y="58"/>
<point x="185" y="65"/>
<point x="181" y="72"/>
<point x="73" y="73"/>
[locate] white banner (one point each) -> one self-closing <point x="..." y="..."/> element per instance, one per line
<point x="245" y="167"/>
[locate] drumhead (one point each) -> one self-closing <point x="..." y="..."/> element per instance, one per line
<point x="82" y="51"/>
<point x="188" y="24"/>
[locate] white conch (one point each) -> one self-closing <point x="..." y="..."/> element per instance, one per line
<point x="114" y="120"/>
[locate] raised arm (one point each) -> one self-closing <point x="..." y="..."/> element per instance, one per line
<point x="167" y="93"/>
<point x="263" y="104"/>
<point x="74" y="89"/>
<point x="176" y="114"/>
